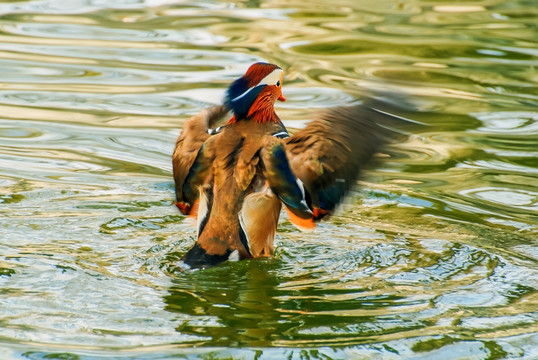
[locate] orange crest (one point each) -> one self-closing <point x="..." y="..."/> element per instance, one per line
<point x="256" y="72"/>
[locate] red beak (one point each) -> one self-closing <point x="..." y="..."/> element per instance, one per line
<point x="281" y="98"/>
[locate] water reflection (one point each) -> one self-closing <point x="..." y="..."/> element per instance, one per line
<point x="316" y="294"/>
<point x="240" y="298"/>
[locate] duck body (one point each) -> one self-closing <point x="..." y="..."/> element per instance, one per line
<point x="236" y="178"/>
<point x="238" y="209"/>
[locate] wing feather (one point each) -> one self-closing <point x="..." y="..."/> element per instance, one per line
<point x="188" y="145"/>
<point x="329" y="153"/>
<point x="282" y="180"/>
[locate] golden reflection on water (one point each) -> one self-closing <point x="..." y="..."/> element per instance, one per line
<point x="435" y="257"/>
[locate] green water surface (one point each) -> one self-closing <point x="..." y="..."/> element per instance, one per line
<point x="434" y="257"/>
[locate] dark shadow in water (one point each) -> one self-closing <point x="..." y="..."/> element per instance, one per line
<point x="247" y="304"/>
<point x="234" y="304"/>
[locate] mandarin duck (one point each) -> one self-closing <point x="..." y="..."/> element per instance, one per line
<point x="235" y="178"/>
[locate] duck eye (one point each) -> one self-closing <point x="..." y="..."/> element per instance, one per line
<point x="278" y="83"/>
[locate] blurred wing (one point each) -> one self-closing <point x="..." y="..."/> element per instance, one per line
<point x="329" y="153"/>
<point x="187" y="161"/>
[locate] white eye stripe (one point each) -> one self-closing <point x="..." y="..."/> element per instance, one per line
<point x="272" y="79"/>
<point x="243" y="94"/>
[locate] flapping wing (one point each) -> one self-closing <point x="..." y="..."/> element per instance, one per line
<point x="282" y="180"/>
<point x="185" y="164"/>
<point x="329" y="153"/>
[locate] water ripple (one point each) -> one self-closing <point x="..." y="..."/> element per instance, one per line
<point x="508" y="122"/>
<point x="93" y="32"/>
<point x="515" y="198"/>
<point x="434" y="258"/>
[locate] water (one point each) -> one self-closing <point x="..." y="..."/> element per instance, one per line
<point x="434" y="257"/>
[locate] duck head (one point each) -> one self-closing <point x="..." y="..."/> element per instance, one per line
<point x="253" y="95"/>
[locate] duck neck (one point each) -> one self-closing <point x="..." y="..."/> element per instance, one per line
<point x="264" y="115"/>
<point x="260" y="115"/>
